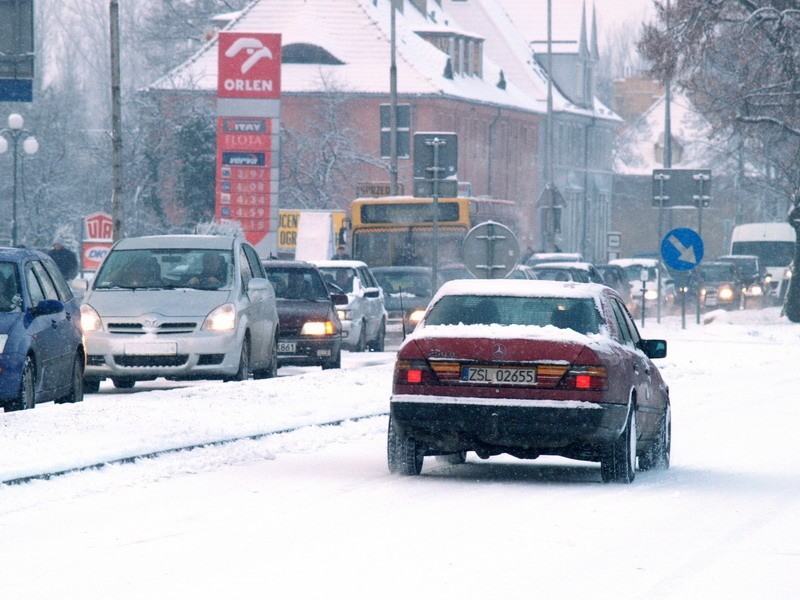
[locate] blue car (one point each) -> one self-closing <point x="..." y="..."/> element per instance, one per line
<point x="41" y="342"/>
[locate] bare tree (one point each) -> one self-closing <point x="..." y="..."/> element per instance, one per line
<point x="741" y="61"/>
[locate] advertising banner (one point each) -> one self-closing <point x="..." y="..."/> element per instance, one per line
<point x="98" y="236"/>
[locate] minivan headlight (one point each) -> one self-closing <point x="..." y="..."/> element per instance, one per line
<point x="90" y="320"/>
<point x="222" y="318"/>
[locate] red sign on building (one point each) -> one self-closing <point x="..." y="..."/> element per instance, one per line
<point x="249" y="65"/>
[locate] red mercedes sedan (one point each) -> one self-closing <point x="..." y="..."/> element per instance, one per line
<point x="529" y="368"/>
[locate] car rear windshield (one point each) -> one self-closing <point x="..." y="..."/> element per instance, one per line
<point x="579" y="314"/>
<point x="297" y="284"/>
<point x="166" y="268"/>
<point x="412" y="283"/>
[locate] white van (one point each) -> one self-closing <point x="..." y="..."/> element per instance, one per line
<point x="774" y="244"/>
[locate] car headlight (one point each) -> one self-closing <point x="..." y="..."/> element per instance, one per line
<point x="344" y="315"/>
<point x="651" y="295"/>
<point x="222" y="318"/>
<point x="3" y="340"/>
<point x="725" y="293"/>
<point x="317" y="328"/>
<point x="90" y="320"/>
<point x="788" y="273"/>
<point x="416" y="316"/>
<point x="755" y="290"/>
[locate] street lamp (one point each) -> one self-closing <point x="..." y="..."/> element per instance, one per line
<point x="16" y="132"/>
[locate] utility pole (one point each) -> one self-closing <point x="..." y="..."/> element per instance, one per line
<point x="116" y="122"/>
<point x="393" y="104"/>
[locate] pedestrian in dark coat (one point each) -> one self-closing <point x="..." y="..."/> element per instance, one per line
<point x="65" y="259"/>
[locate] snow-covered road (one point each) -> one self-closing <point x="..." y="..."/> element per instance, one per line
<point x="314" y="513"/>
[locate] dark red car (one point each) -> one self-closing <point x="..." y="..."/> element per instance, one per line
<point x="310" y="333"/>
<point x="529" y="368"/>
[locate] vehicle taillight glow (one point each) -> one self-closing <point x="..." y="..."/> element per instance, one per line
<point x="586" y="377"/>
<point x="413" y="372"/>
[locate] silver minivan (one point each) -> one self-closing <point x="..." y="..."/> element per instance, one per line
<point x="180" y="307"/>
<point x="364" y="316"/>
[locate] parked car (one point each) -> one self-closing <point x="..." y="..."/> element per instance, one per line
<point x="407" y="292"/>
<point x="582" y="272"/>
<point x="180" y="307"/>
<point x="42" y="355"/>
<point x="529" y="368"/>
<point x="310" y="332"/>
<point x="364" y="316"/>
<point x="720" y="285"/>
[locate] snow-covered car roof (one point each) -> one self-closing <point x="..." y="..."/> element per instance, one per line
<point x="519" y="287"/>
<point x="627" y="262"/>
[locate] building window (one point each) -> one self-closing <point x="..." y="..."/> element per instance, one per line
<point x="403" y="130"/>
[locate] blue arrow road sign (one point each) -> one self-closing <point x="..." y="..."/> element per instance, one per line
<point x="682" y="249"/>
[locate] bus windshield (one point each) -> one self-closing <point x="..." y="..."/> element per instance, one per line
<point x="406" y="247"/>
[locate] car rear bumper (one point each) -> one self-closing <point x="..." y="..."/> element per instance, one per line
<point x="575" y="429"/>
<point x="303" y="351"/>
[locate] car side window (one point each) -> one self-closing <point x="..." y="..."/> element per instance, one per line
<point x="255" y="263"/>
<point x="64" y="291"/>
<point x="246" y="270"/>
<point x="625" y="336"/>
<point x="48" y="287"/>
<point x="34" y="288"/>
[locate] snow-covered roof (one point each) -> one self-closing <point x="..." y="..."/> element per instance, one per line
<point x="636" y="146"/>
<point x="530" y="18"/>
<point x="357" y="32"/>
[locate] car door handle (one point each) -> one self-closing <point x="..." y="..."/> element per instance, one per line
<point x="69" y="316"/>
<point x="53" y="323"/>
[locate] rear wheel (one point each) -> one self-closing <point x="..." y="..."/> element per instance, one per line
<point x="27" y="389"/>
<point x="404" y="457"/>
<point x="76" y="389"/>
<point x="657" y="455"/>
<point x="123" y="383"/>
<point x="619" y="464"/>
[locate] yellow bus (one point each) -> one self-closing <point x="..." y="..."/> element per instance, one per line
<point x="398" y="230"/>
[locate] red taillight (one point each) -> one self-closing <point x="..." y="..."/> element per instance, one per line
<point x="413" y="372"/>
<point x="414" y="376"/>
<point x="585" y="377"/>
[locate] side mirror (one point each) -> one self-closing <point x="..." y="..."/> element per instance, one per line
<point x="654" y="348"/>
<point x="339" y="299"/>
<point x="258" y="285"/>
<point x="48" y="307"/>
<point x="372" y="292"/>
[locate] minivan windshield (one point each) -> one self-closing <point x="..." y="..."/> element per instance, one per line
<point x="166" y="268"/>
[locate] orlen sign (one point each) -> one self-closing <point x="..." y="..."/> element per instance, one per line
<point x="249" y="65"/>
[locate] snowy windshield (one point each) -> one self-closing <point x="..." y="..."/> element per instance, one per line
<point x="579" y="314"/>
